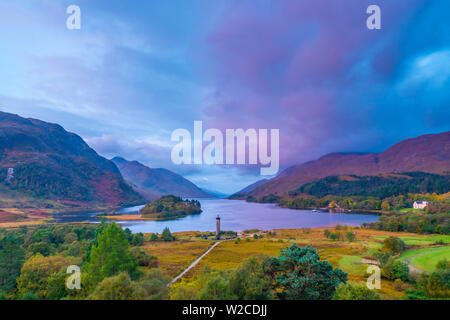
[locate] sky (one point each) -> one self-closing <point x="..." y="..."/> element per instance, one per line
<point x="135" y="71"/>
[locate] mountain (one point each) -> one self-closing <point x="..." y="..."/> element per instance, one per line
<point x="216" y="194"/>
<point x="380" y="186"/>
<point x="427" y="153"/>
<point x="43" y="161"/>
<point x="253" y="185"/>
<point x="153" y="183"/>
<point x="248" y="189"/>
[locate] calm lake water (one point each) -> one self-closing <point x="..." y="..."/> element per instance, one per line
<point x="236" y="215"/>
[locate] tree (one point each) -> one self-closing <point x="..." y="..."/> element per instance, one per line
<point x="36" y="271"/>
<point x="298" y="274"/>
<point x="393" y="245"/>
<point x="354" y="291"/>
<point x="214" y="286"/>
<point x="166" y="235"/>
<point x="109" y="255"/>
<point x="155" y="285"/>
<point x="382" y="257"/>
<point x="39" y="247"/>
<point x="71" y="237"/>
<point x="119" y="287"/>
<point x="385" y="206"/>
<point x="56" y="285"/>
<point x="12" y="257"/>
<point x="249" y="282"/>
<point x="137" y="239"/>
<point x="350" y="236"/>
<point x="332" y="204"/>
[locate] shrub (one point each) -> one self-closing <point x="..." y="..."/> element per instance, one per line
<point x="154" y="237"/>
<point x="306" y="230"/>
<point x="154" y="284"/>
<point x="354" y="291"/>
<point x="143" y="259"/>
<point x="118" y="287"/>
<point x="29" y="296"/>
<point x="436" y="284"/>
<point x="395" y="269"/>
<point x="382" y="257"/>
<point x="399" y="285"/>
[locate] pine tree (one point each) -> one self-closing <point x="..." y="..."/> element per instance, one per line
<point x="12" y="257"/>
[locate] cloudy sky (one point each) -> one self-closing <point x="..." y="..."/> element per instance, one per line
<point x="137" y="70"/>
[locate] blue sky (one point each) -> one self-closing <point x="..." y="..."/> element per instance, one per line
<point x="137" y="70"/>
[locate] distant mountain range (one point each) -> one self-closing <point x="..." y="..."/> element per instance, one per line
<point x="43" y="161"/>
<point x="153" y="183"/>
<point x="427" y="153"/>
<point x="216" y="194"/>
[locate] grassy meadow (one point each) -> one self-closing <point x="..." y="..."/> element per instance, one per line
<point x="423" y="251"/>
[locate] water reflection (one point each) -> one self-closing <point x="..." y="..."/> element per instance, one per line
<point x="236" y="215"/>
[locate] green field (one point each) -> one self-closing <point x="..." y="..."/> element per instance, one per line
<point x="410" y="210"/>
<point x="353" y="265"/>
<point x="426" y="258"/>
<point x="421" y="240"/>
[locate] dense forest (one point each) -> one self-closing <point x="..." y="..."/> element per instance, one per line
<point x="34" y="263"/>
<point x="84" y="182"/>
<point x="376" y="186"/>
<point x="413" y="222"/>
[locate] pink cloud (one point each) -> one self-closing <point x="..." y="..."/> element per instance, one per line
<point x="296" y="66"/>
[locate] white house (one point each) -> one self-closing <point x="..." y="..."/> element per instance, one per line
<point x="420" y="204"/>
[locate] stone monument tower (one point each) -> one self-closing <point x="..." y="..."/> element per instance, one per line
<point x="218" y="227"/>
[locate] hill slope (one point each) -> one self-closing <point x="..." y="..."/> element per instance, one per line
<point x="43" y="161"/>
<point x="380" y="186"/>
<point x="153" y="183"/>
<point x="428" y="153"/>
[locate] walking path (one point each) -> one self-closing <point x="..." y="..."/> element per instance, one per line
<point x="193" y="264"/>
<point x="367" y="261"/>
<point x="239" y="235"/>
<point x="412" y="268"/>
